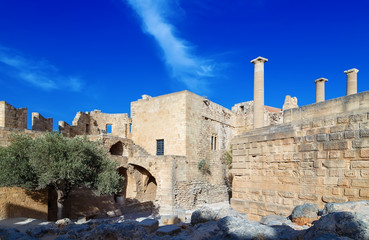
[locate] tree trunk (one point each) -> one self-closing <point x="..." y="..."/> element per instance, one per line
<point x="60" y="202"/>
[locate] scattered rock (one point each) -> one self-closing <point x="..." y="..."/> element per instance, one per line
<point x="151" y="225"/>
<point x="168" y="230"/>
<point x="305" y="214"/>
<point x="12" y="233"/>
<point x="345" y="207"/>
<point x="206" y="214"/>
<point x="343" y="221"/>
<point x="64" y="222"/>
<point x="238" y="228"/>
<point x="169" y="219"/>
<point x="349" y="220"/>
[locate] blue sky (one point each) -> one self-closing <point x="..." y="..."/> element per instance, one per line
<point x="60" y="57"/>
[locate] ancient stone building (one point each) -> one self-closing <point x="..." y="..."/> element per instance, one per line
<point x="175" y="153"/>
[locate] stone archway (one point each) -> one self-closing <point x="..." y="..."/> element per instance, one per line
<point x="139" y="184"/>
<point x="117" y="149"/>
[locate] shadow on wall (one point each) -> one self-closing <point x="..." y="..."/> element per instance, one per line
<point x="139" y="184"/>
<point x="14" y="211"/>
<point x="82" y="202"/>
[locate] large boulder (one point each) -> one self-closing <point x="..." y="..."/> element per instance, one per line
<point x="207" y="213"/>
<point x="305" y="214"/>
<point x="238" y="228"/>
<point x="345" y="207"/>
<point x="349" y="220"/>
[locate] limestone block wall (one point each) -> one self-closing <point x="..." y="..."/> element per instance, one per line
<point x="39" y="123"/>
<point x="351" y="103"/>
<point x="162" y="117"/>
<point x="12" y="117"/>
<point x="6" y="134"/>
<point x="19" y="202"/>
<point x="318" y="160"/>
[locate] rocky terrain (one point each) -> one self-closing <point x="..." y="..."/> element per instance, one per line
<point x="338" y="221"/>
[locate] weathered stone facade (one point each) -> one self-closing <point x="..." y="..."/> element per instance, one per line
<point x="320" y="154"/>
<point x="96" y="122"/>
<point x="12" y="117"/>
<point x="39" y="123"/>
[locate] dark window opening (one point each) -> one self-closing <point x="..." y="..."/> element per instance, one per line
<point x="242" y="108"/>
<point x="108" y="128"/>
<point x="212" y="142"/>
<point x="130" y="127"/>
<point x="160" y="147"/>
<point x="87" y="128"/>
<point x="215" y="143"/>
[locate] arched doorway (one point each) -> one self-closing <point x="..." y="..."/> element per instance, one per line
<point x="117" y="149"/>
<point x="139" y="185"/>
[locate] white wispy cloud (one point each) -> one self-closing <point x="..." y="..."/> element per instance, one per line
<point x="186" y="67"/>
<point x="39" y="73"/>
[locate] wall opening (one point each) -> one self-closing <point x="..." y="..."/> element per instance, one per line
<point x="139" y="185"/>
<point x="108" y="128"/>
<point x="87" y="128"/>
<point x="160" y="147"/>
<point x="117" y="149"/>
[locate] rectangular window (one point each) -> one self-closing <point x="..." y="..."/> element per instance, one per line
<point x="87" y="128"/>
<point x="215" y="143"/>
<point x="160" y="147"/>
<point x="108" y="128"/>
<point x="212" y="142"/>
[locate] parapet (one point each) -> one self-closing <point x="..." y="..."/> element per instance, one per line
<point x="355" y="102"/>
<point x="39" y="123"/>
<point x="12" y="117"/>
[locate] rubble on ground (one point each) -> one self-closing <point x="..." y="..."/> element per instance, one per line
<point x="341" y="221"/>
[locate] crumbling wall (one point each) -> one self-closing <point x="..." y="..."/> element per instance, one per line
<point x="39" y="123"/>
<point x="244" y="115"/>
<point x="120" y="123"/>
<point x="12" y="117"/>
<point x="314" y="159"/>
<point x="96" y="122"/>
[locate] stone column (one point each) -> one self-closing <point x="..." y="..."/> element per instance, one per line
<point x="351" y="87"/>
<point x="320" y="92"/>
<point x="259" y="91"/>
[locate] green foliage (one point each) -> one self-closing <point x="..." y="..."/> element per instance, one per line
<point x="227" y="158"/>
<point x="204" y="167"/>
<point x="59" y="162"/>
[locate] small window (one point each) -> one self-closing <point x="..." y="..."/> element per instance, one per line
<point x="108" y="128"/>
<point x="160" y="147"/>
<point x="130" y="127"/>
<point x="242" y="108"/>
<point x="87" y="128"/>
<point x="213" y="145"/>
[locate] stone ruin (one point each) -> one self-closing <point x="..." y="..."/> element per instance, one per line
<point x="280" y="158"/>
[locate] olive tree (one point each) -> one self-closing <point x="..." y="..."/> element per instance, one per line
<point x="60" y="163"/>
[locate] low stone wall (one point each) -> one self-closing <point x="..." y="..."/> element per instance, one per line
<point x="19" y="202"/>
<point x="317" y="160"/>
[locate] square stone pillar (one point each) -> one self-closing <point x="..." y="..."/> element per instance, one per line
<point x="351" y="87"/>
<point x="259" y="91"/>
<point x="320" y="91"/>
